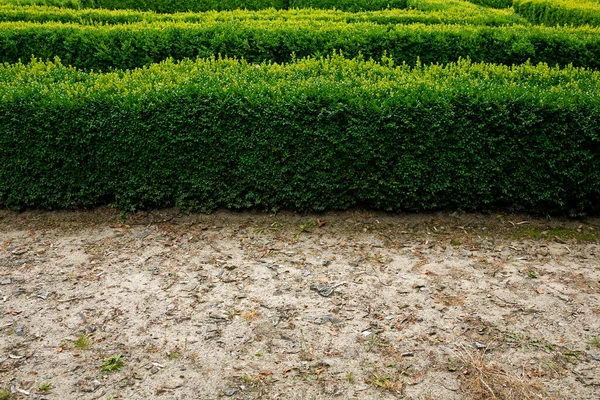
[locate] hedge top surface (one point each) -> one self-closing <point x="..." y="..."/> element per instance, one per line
<point x="171" y="6"/>
<point x="164" y="6"/>
<point x="451" y="15"/>
<point x="560" y="12"/>
<point x="129" y="46"/>
<point x="56" y="82"/>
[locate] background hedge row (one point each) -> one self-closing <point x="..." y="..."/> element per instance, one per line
<point x="164" y="6"/>
<point x="423" y="12"/>
<point x="171" y="6"/>
<point x="494" y="3"/>
<point x="560" y="12"/>
<point x="313" y="135"/>
<point x="135" y="45"/>
<point x="75" y="4"/>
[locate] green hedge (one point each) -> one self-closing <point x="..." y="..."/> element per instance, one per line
<point x="172" y="6"/>
<point x="163" y="6"/>
<point x="456" y="15"/>
<point x="76" y="4"/>
<point x="493" y="3"/>
<point x="349" y="5"/>
<point x="313" y="135"/>
<point x="560" y="12"/>
<point x="136" y="45"/>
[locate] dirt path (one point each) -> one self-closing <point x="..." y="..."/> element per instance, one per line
<point x="255" y="306"/>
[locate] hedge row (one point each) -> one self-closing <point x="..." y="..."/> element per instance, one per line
<point x="470" y="15"/>
<point x="493" y="3"/>
<point x="164" y="6"/>
<point x="560" y="12"/>
<point x="172" y="6"/>
<point x="136" y="45"/>
<point x="313" y="135"/>
<point x="76" y="4"/>
<point x="346" y="5"/>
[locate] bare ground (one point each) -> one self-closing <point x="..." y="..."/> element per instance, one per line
<point x="256" y="306"/>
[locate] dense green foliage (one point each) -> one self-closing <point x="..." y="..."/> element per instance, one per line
<point x="136" y="45"/>
<point x="164" y="6"/>
<point x="560" y="12"/>
<point x="349" y="5"/>
<point x="76" y="4"/>
<point x="313" y="135"/>
<point x="457" y="14"/>
<point x="493" y="3"/>
<point x="172" y="6"/>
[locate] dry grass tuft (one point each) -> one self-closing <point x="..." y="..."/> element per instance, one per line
<point x="485" y="379"/>
<point x="385" y="382"/>
<point x="250" y="315"/>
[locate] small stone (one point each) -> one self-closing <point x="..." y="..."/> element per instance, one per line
<point x="217" y="317"/>
<point x="324" y="290"/>
<point x="169" y="308"/>
<point x="212" y="335"/>
<point x="332" y="319"/>
<point x="479" y="346"/>
<point x="5" y="281"/>
<point x="142" y="235"/>
<point x="230" y="392"/>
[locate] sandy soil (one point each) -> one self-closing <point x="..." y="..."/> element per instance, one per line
<point x="257" y="306"/>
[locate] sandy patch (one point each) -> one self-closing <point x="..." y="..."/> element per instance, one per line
<point x="340" y="305"/>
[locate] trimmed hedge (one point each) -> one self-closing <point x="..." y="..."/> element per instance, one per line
<point x="76" y="4"/>
<point x="349" y="5"/>
<point x="163" y="6"/>
<point x="560" y="12"/>
<point x="313" y="135"/>
<point x="455" y="15"/>
<point x="172" y="6"/>
<point x="493" y="3"/>
<point x="136" y="45"/>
